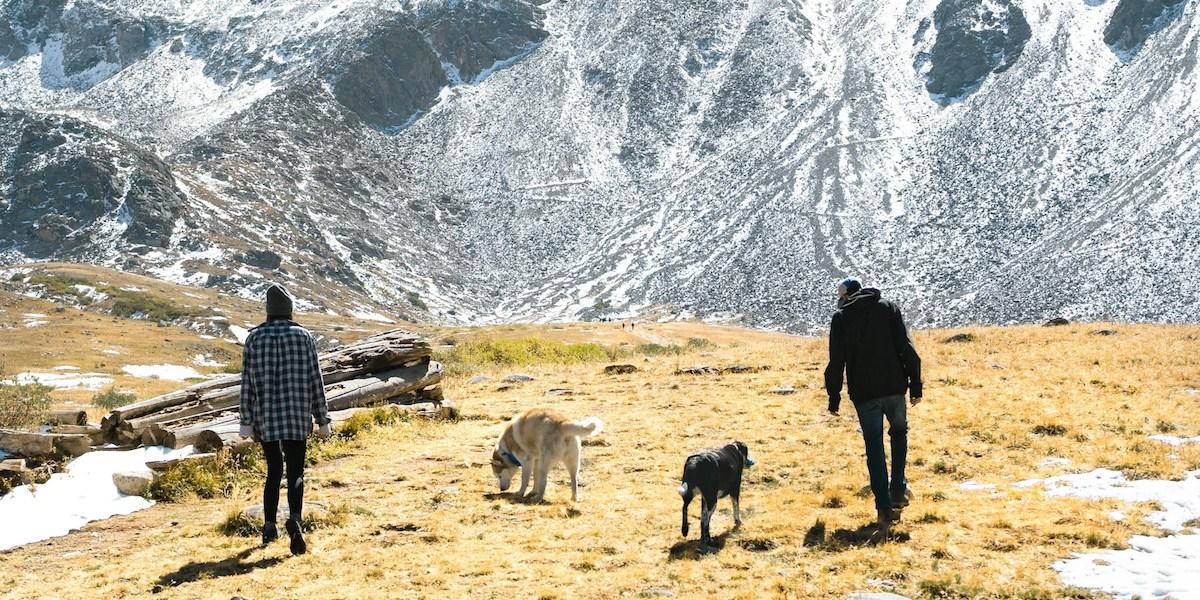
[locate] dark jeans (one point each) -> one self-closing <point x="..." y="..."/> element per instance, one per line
<point x="275" y="453"/>
<point x="870" y="419"/>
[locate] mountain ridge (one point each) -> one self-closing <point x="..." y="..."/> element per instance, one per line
<point x="984" y="161"/>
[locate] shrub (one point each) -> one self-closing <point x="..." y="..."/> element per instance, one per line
<point x="232" y="470"/>
<point x="112" y="398"/>
<point x="699" y="344"/>
<point x="237" y="524"/>
<point x="659" y="350"/>
<point x="129" y="304"/>
<point x="472" y="354"/>
<point x="1052" y="429"/>
<point x="61" y="285"/>
<point x="22" y="404"/>
<point x="416" y="301"/>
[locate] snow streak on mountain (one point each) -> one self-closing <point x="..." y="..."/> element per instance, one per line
<point x="986" y="161"/>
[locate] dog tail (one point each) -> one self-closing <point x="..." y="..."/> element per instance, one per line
<point x="584" y="428"/>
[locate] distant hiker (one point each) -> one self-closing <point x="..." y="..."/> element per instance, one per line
<point x="282" y="393"/>
<point x="870" y="344"/>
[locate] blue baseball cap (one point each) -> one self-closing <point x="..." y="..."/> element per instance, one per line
<point x="850" y="284"/>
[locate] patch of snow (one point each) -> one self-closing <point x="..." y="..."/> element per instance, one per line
<point x="239" y="333"/>
<point x="1116" y="515"/>
<point x="83" y="493"/>
<point x="1175" y="441"/>
<point x="1056" y="461"/>
<point x="367" y="315"/>
<point x="204" y="360"/>
<point x="66" y="368"/>
<point x="975" y="486"/>
<point x="167" y="372"/>
<point x="66" y="381"/>
<point x="1152" y="567"/>
<point x="32" y="324"/>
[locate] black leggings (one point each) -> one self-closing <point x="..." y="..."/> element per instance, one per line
<point x="275" y="453"/>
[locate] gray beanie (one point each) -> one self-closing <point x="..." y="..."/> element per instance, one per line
<point x="279" y="301"/>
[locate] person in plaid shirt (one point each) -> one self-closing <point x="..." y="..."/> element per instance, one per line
<point x="282" y="393"/>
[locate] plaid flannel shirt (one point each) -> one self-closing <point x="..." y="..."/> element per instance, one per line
<point x="282" y="391"/>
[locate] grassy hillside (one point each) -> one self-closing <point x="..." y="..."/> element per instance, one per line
<point x="422" y="517"/>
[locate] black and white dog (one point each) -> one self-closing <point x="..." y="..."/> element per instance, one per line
<point x="714" y="474"/>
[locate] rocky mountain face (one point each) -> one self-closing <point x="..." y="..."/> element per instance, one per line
<point x="986" y="161"/>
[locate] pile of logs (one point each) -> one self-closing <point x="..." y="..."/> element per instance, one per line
<point x="389" y="368"/>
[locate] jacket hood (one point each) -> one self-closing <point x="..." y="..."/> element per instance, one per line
<point x="863" y="297"/>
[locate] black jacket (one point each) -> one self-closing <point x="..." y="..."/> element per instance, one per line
<point x="868" y="341"/>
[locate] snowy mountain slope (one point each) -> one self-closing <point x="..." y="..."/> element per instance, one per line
<point x="981" y="160"/>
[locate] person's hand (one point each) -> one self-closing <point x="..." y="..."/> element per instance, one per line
<point x="246" y="431"/>
<point x="325" y="431"/>
<point x="915" y="400"/>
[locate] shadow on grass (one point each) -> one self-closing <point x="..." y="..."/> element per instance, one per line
<point x="695" y="549"/>
<point x="233" y="565"/>
<point x="511" y="498"/>
<point x="817" y="537"/>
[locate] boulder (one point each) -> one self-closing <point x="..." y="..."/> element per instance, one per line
<point x="478" y="379"/>
<point x="133" y="483"/>
<point x="959" y="338"/>
<point x="786" y="390"/>
<point x="1057" y="322"/>
<point x="1104" y="332"/>
<point x="698" y="370"/>
<point x="560" y="392"/>
<point x="518" y="378"/>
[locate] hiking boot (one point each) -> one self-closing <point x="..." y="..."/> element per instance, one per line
<point x="270" y="533"/>
<point x="900" y="501"/>
<point x="884" y="522"/>
<point x="293" y="528"/>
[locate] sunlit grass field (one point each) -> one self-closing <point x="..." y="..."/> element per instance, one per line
<point x="419" y="515"/>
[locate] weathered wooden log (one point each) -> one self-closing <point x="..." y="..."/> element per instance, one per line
<point x="158" y="403"/>
<point x="380" y="352"/>
<point x="218" y="436"/>
<point x="95" y="434"/>
<point x="66" y="417"/>
<point x="188" y="436"/>
<point x="380" y="387"/>
<point x="163" y="465"/>
<point x="13" y="465"/>
<point x="36" y="445"/>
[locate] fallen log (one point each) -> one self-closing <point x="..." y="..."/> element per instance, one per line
<point x="13" y="465"/>
<point x="37" y="445"/>
<point x="219" y="436"/>
<point x="162" y="465"/>
<point x="158" y="403"/>
<point x="66" y="417"/>
<point x="380" y="352"/>
<point x="94" y="433"/>
<point x="381" y="387"/>
<point x="190" y="435"/>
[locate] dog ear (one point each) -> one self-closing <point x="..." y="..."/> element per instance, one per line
<point x="742" y="448"/>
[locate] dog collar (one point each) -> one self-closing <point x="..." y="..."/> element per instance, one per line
<point x="510" y="457"/>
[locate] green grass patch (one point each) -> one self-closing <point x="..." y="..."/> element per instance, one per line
<point x="146" y="306"/>
<point x="61" y="286"/>
<point x="231" y="472"/>
<point x="237" y="524"/>
<point x="472" y="355"/>
<point x="113" y="398"/>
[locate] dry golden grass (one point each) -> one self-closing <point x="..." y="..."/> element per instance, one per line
<point x="423" y="519"/>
